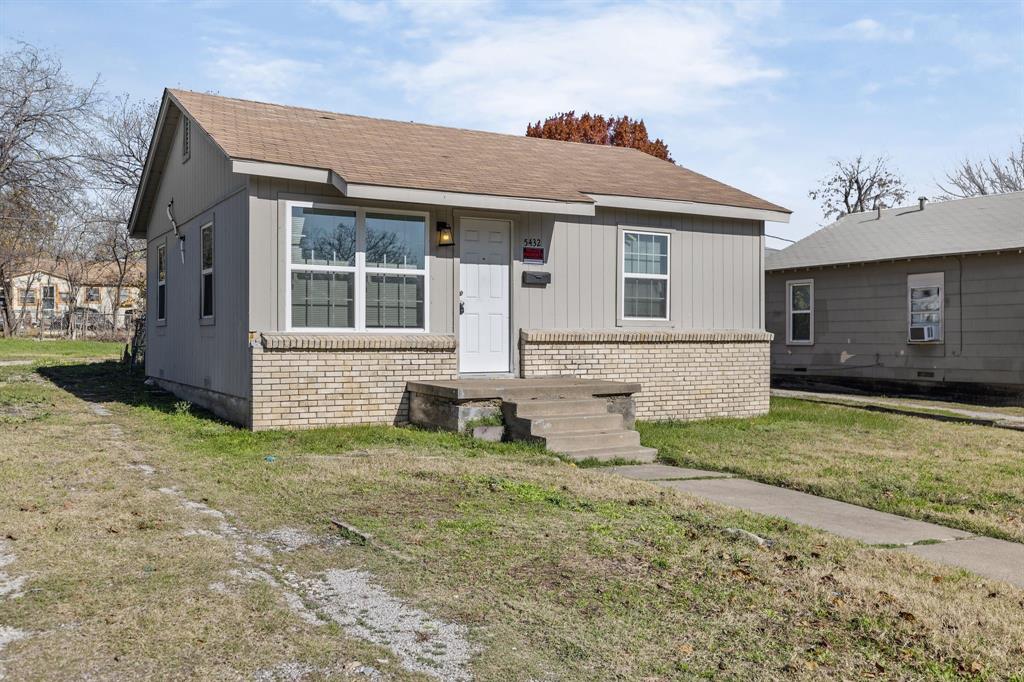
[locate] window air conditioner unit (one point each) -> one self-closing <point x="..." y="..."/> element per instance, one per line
<point x="922" y="333"/>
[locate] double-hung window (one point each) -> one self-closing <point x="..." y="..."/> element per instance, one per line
<point x="92" y="295"/>
<point x="800" y="312"/>
<point x="161" y="282"/>
<point x="924" y="307"/>
<point x="645" y="275"/>
<point x="356" y="269"/>
<point x="206" y="271"/>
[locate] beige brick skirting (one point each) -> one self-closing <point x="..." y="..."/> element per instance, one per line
<point x="311" y="380"/>
<point x="685" y="375"/>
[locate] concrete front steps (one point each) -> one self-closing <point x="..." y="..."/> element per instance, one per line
<point x="576" y="425"/>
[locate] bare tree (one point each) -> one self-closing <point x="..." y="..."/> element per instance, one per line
<point x="859" y="184"/>
<point x="117" y="160"/>
<point x="991" y="176"/>
<point x="44" y="118"/>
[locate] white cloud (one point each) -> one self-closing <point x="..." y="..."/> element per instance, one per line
<point x="249" y="74"/>
<point x="356" y="11"/>
<point x="873" y="30"/>
<point x="636" y="59"/>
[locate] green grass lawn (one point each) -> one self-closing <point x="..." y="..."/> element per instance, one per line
<point x="45" y="350"/>
<point x="967" y="476"/>
<point x="559" y="573"/>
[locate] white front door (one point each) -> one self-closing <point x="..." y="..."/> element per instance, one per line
<point x="484" y="303"/>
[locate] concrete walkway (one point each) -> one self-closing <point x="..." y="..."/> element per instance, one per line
<point x="997" y="559"/>
<point x="908" y="407"/>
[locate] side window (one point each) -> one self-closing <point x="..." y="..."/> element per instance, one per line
<point x="645" y="275"/>
<point x="800" y="312"/>
<point x="186" y="139"/>
<point x="206" y="272"/>
<point x="161" y="282"/>
<point x="925" y="307"/>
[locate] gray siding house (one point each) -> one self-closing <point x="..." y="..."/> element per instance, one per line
<point x="305" y="266"/>
<point x="926" y="299"/>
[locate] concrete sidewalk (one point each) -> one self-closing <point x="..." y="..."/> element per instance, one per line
<point x="908" y="407"/>
<point x="997" y="559"/>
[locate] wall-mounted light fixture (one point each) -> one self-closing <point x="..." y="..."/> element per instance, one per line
<point x="445" y="234"/>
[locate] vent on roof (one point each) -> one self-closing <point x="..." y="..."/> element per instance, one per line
<point x="328" y="118"/>
<point x="920" y="202"/>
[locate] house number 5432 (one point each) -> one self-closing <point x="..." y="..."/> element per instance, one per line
<point x="531" y="242"/>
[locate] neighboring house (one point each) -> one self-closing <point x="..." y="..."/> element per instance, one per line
<point x="928" y="298"/>
<point x="44" y="295"/>
<point x="316" y="262"/>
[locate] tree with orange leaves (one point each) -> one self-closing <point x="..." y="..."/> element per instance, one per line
<point x="621" y="131"/>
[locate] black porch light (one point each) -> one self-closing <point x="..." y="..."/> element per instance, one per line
<point x="445" y="234"/>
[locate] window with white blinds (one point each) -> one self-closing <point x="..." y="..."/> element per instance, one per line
<point x="354" y="270"/>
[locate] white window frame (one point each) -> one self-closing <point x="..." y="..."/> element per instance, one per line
<point x="790" y="312"/>
<point x="88" y="295"/>
<point x="161" y="252"/>
<point x="927" y="280"/>
<point x="667" y="277"/>
<point x="203" y="272"/>
<point x="360" y="270"/>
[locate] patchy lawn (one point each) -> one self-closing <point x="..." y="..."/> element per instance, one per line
<point x="961" y="475"/>
<point x="556" y="572"/>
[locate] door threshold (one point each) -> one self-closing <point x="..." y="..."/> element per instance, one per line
<point x="486" y="375"/>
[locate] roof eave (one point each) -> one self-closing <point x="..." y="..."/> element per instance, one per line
<point x="690" y="207"/>
<point x="894" y="259"/>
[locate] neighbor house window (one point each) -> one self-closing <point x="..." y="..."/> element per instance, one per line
<point x="186" y="139"/>
<point x="49" y="298"/>
<point x="92" y="295"/>
<point x="350" y="269"/>
<point x="206" y="271"/>
<point x="800" y="311"/>
<point x="924" y="307"/>
<point x="29" y="297"/>
<point x="161" y="282"/>
<point x="645" y="275"/>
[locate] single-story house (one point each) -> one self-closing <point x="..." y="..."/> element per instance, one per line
<point x="44" y="291"/>
<point x="305" y="266"/>
<point x="921" y="299"/>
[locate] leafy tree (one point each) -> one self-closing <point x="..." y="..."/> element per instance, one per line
<point x="991" y="176"/>
<point x="621" y="131"/>
<point x="859" y="184"/>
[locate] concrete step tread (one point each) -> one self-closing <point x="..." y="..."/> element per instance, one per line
<point x="529" y="409"/>
<point x="630" y="453"/>
<point x="590" y="440"/>
<point x="572" y="424"/>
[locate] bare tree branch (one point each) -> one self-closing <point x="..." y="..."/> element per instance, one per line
<point x="859" y="184"/>
<point x="980" y="178"/>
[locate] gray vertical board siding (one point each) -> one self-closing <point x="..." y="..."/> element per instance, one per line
<point x="716" y="275"/>
<point x="267" y="199"/>
<point x="187" y="350"/>
<point x="861" y="310"/>
<point x="211" y="356"/>
<point x="715" y="264"/>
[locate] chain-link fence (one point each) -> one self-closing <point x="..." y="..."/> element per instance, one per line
<point x="81" y="323"/>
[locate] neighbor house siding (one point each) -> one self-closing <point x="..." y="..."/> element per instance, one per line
<point x="210" y="357"/>
<point x="860" y="322"/>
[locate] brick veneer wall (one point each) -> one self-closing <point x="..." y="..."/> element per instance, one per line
<point x="685" y="375"/>
<point x="309" y="380"/>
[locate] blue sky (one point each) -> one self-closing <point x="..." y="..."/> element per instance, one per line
<point x="757" y="94"/>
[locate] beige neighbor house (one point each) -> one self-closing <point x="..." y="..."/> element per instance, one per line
<point x="44" y="295"/>
<point x="922" y="299"/>
<point x="311" y="268"/>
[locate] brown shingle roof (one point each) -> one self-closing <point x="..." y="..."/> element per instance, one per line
<point x="412" y="155"/>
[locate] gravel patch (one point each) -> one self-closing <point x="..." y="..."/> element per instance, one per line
<point x="10" y="586"/>
<point x="350" y="598"/>
<point x="143" y="468"/>
<point x="422" y="643"/>
<point x="99" y="410"/>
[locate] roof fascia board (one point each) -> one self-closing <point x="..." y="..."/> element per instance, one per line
<point x="467" y="200"/>
<point x="281" y="170"/>
<point x="147" y="169"/>
<point x="895" y="259"/>
<point x="689" y="207"/>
